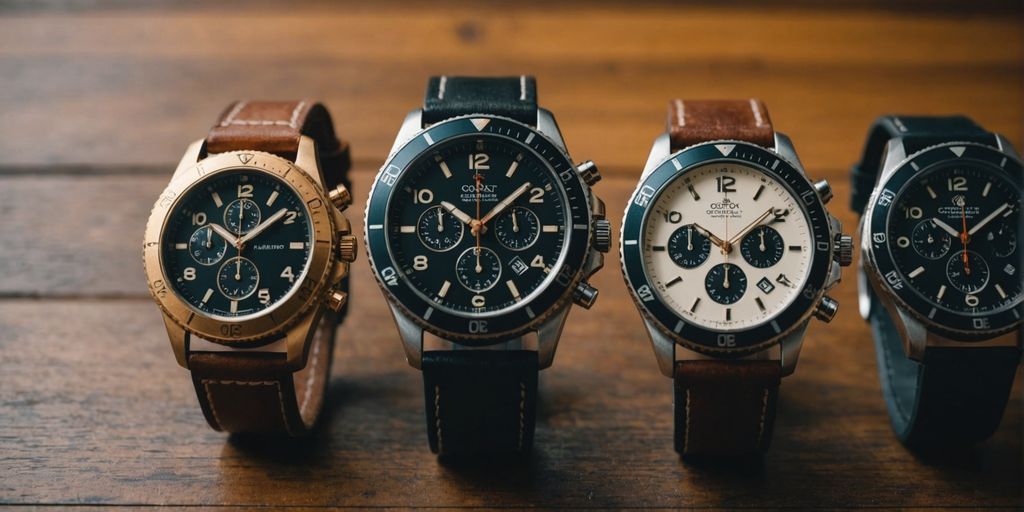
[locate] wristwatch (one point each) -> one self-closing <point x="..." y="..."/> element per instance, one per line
<point x="728" y="250"/>
<point x="481" y="233"/>
<point x="247" y="254"/>
<point x="940" y="275"/>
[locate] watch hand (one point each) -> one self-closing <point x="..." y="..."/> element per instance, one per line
<point x="946" y="227"/>
<point x="458" y="214"/>
<point x="209" y="237"/>
<point x="225" y="234"/>
<point x="515" y="222"/>
<point x="725" y="280"/>
<point x="504" y="203"/>
<point x="262" y="227"/>
<point x="689" y="238"/>
<point x="722" y="244"/>
<point x="238" y="269"/>
<point x="762" y="247"/>
<point x="963" y="237"/>
<point x="440" y="220"/>
<point x="995" y="213"/>
<point x="772" y="212"/>
<point x="475" y="228"/>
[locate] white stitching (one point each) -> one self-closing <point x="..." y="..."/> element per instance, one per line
<point x="522" y="87"/>
<point x="280" y="396"/>
<point x="312" y="374"/>
<point x="680" y="118"/>
<point x="295" y="114"/>
<point x="441" y="87"/>
<point x="756" y="109"/>
<point x="291" y="122"/>
<point x="764" y="413"/>
<point x="437" y="416"/>
<point x="686" y="431"/>
<point x="522" y="413"/>
<point x="234" y="112"/>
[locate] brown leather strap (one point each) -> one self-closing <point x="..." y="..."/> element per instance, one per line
<point x="275" y="127"/>
<point x="694" y="121"/>
<point x="725" y="407"/>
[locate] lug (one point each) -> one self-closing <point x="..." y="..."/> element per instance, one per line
<point x="895" y="154"/>
<point x="588" y="171"/>
<point x="660" y="151"/>
<point x="584" y="295"/>
<point x="913" y="333"/>
<point x="412" y="337"/>
<point x="189" y="159"/>
<point x="602" y="238"/>
<point x="306" y="159"/>
<point x="784" y="147"/>
<point x="865" y="296"/>
<point x="843" y="249"/>
<point x="790" y="346"/>
<point x="548" y="334"/>
<point x="826" y="309"/>
<point x="340" y="197"/>
<point x="411" y="126"/>
<point x="1006" y="146"/>
<point x="179" y="341"/>
<point x="348" y="248"/>
<point x="299" y="337"/>
<point x="547" y="126"/>
<point x="664" y="349"/>
<point x="336" y="300"/>
<point x="824" y="190"/>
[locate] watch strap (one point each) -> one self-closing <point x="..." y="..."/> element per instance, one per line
<point x="917" y="133"/>
<point x="452" y="96"/>
<point x="480" y="402"/>
<point x="695" y="121"/>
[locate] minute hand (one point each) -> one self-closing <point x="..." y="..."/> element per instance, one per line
<point x="262" y="227"/>
<point x="757" y="222"/>
<point x="504" y="203"/>
<point x="988" y="219"/>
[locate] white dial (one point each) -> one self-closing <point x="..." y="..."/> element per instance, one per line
<point x="727" y="246"/>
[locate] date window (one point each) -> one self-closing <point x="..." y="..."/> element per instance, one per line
<point x="765" y="285"/>
<point x="518" y="266"/>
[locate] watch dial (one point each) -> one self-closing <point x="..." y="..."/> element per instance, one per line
<point x="477" y="224"/>
<point x="236" y="244"/>
<point x="952" y="235"/>
<point x="727" y="246"/>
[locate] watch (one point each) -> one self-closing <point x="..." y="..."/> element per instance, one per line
<point x="940" y="282"/>
<point x="247" y="254"/>
<point x="481" y="232"/>
<point x="727" y="250"/>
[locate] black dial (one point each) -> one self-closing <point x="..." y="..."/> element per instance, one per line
<point x="439" y="230"/>
<point x="482" y="182"/>
<point x="762" y="247"/>
<point x="950" y="211"/>
<point x="517" y="228"/>
<point x="687" y="247"/>
<point x="725" y="283"/>
<point x="248" y="263"/>
<point x="930" y="240"/>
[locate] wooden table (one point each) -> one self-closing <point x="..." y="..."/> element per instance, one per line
<point x="97" y="104"/>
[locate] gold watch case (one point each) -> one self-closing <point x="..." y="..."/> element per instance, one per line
<point x="323" y="271"/>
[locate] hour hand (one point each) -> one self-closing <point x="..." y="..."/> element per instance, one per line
<point x="946" y="227"/>
<point x="457" y="213"/>
<point x="225" y="234"/>
<point x="722" y="244"/>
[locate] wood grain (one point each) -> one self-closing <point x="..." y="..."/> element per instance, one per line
<point x="97" y="103"/>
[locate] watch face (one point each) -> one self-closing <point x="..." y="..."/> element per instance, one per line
<point x="236" y="244"/>
<point x="727" y="246"/>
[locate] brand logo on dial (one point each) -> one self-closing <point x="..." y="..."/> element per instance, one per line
<point x="488" y="193"/>
<point x="724" y="208"/>
<point x="959" y="208"/>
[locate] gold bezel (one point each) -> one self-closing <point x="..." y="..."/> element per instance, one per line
<point x="267" y="325"/>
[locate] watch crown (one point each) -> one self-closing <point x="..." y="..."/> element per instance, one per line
<point x="824" y="190"/>
<point x="584" y="295"/>
<point x="826" y="309"/>
<point x="336" y="300"/>
<point x="844" y="249"/>
<point x="588" y="171"/>
<point x="348" y="248"/>
<point x="602" y="235"/>
<point x="340" y="196"/>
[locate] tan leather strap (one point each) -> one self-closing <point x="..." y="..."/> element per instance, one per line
<point x="257" y="392"/>
<point x="694" y="121"/>
<point x="725" y="407"/>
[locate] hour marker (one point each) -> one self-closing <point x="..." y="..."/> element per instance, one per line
<point x="999" y="289"/>
<point x="760" y="304"/>
<point x="407" y="229"/>
<point x="1003" y="163"/>
<point x="678" y="279"/>
<point x="984" y="191"/>
<point x="775" y="326"/>
<point x="942" y="291"/>
<point x="550" y="228"/>
<point x="428" y="312"/>
<point x="696" y="196"/>
<point x="931" y="314"/>
<point x="216" y="199"/>
<point x="728" y="314"/>
<point x="444" y="289"/>
<point x="657" y="247"/>
<point x="234" y="306"/>
<point x="512" y="168"/>
<point x="629" y="242"/>
<point x="580" y="226"/>
<point x="758" y="193"/>
<point x="444" y="169"/>
<point x="376" y="226"/>
<point x="426" y="137"/>
<point x="207" y="295"/>
<point x="775" y="164"/>
<point x="529" y="138"/>
<point x="547" y="187"/>
<point x="676" y="164"/>
<point x="181" y="246"/>
<point x="513" y="290"/>
<point x="272" y="198"/>
<point x="796" y="248"/>
<point x="914" y="165"/>
<point x="1009" y="269"/>
<point x="784" y="280"/>
<point x="916" y="272"/>
<point x="296" y="245"/>
<point x="679" y="327"/>
<point x="693" y="307"/>
<point x="931" y="192"/>
<point x="529" y="312"/>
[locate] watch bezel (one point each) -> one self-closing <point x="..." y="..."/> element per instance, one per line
<point x="492" y="327"/>
<point x="649" y="302"/>
<point x="879" y="258"/>
<point x="267" y="325"/>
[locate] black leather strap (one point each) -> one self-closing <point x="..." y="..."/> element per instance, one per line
<point x="954" y="394"/>
<point x="480" y="402"/>
<point x="451" y="96"/>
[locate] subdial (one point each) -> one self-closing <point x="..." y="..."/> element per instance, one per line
<point x="238" y="278"/>
<point x="762" y="247"/>
<point x="206" y="246"/>
<point x="930" y="240"/>
<point x="439" y="230"/>
<point x="478" y="269"/>
<point x="1003" y="240"/>
<point x="725" y="283"/>
<point x="517" y="228"/>
<point x="241" y="215"/>
<point x="687" y="247"/>
<point x="968" y="276"/>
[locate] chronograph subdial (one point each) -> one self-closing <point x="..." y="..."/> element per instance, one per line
<point x="238" y="278"/>
<point x="439" y="230"/>
<point x="762" y="247"/>
<point x="517" y="228"/>
<point x="478" y="269"/>
<point x="206" y="247"/>
<point x="970" y="274"/>
<point x="687" y="247"/>
<point x="725" y="283"/>
<point x="1002" y="239"/>
<point x="930" y="240"/>
<point x="242" y="215"/>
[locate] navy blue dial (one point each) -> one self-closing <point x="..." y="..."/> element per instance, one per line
<point x="517" y="228"/>
<point x="762" y="247"/>
<point x="236" y="243"/>
<point x="725" y="283"/>
<point x="687" y="247"/>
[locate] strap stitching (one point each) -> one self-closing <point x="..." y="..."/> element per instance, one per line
<point x="276" y="384"/>
<point x="234" y="112"/>
<point x="441" y="87"/>
<point x="312" y="374"/>
<point x="756" y="109"/>
<point x="522" y="413"/>
<point x="764" y="414"/>
<point x="291" y="122"/>
<point x="437" y="417"/>
<point x="680" y="112"/>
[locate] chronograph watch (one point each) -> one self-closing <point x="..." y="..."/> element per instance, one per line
<point x="728" y="251"/>
<point x="481" y="233"/>
<point x="247" y="254"/>
<point x="940" y="282"/>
